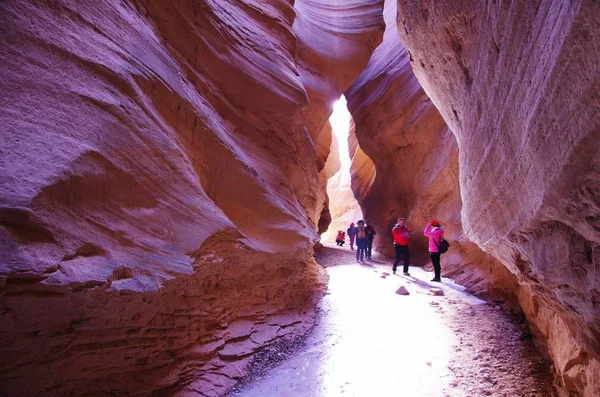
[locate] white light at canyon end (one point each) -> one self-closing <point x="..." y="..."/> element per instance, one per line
<point x="343" y="206"/>
<point x="340" y="123"/>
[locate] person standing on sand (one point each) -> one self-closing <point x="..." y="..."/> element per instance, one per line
<point x="370" y="230"/>
<point x="401" y="235"/>
<point x="352" y="234"/>
<point x="434" y="231"/>
<point x="361" y="241"/>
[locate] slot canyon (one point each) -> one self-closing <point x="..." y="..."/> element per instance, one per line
<point x="169" y="175"/>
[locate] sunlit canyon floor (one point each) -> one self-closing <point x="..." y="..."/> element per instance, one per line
<point x="370" y="341"/>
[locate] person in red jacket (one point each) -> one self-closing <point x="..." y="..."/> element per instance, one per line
<point x="341" y="238"/>
<point x="401" y="235"/>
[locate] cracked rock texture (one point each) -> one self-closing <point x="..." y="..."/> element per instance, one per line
<point x="160" y="186"/>
<point x="517" y="83"/>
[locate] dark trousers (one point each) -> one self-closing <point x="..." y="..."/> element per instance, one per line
<point x="361" y="248"/>
<point x="401" y="251"/>
<point x="369" y="248"/>
<point x="435" y="259"/>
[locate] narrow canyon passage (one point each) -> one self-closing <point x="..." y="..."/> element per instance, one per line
<point x="343" y="207"/>
<point x="167" y="170"/>
<point x="370" y="341"/>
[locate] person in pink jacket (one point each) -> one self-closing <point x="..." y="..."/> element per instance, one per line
<point x="434" y="231"/>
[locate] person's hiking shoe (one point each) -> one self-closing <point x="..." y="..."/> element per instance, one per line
<point x="437" y="280"/>
<point x="406" y="273"/>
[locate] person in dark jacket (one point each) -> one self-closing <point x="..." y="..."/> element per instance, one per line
<point x="434" y="231"/>
<point x="370" y="230"/>
<point x="361" y="241"/>
<point x="352" y="234"/>
<point x="401" y="235"/>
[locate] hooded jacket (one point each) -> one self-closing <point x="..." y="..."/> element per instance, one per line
<point x="352" y="230"/>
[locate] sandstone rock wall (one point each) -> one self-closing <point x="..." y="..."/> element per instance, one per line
<point x="343" y="206"/>
<point x="405" y="163"/>
<point x="517" y="82"/>
<point x="405" y="159"/>
<point x="330" y="168"/>
<point x="335" y="40"/>
<point x="160" y="190"/>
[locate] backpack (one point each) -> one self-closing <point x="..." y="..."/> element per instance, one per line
<point x="443" y="245"/>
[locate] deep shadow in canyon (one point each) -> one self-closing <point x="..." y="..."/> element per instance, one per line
<point x="163" y="171"/>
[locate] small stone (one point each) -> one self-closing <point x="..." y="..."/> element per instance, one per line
<point x="402" y="291"/>
<point x="436" y="291"/>
<point x="488" y="379"/>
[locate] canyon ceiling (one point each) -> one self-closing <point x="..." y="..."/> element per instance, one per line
<point x="163" y="170"/>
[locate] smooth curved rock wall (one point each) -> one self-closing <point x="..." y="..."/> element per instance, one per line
<point x="517" y="82"/>
<point x="343" y="206"/>
<point x="405" y="163"/>
<point x="335" y="40"/>
<point x="160" y="192"/>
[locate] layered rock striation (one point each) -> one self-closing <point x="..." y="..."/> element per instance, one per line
<point x="163" y="167"/>
<point x="405" y="163"/>
<point x="160" y="190"/>
<point x="404" y="157"/>
<point x="517" y="83"/>
<point x="335" y="40"/>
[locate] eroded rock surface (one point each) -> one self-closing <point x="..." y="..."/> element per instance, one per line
<point x="405" y="158"/>
<point x="343" y="207"/>
<point x="335" y="41"/>
<point x="160" y="189"/>
<point x="517" y="82"/>
<point x="405" y="163"/>
<point x="162" y="173"/>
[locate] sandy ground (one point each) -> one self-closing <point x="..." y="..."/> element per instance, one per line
<point x="370" y="341"/>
